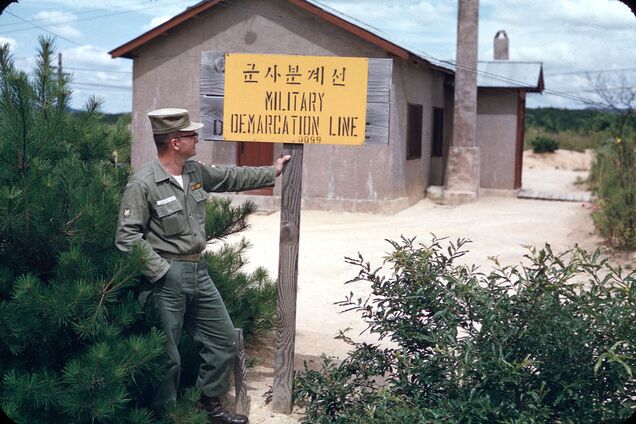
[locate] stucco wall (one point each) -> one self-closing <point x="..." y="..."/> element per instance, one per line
<point x="367" y="178"/>
<point x="413" y="83"/>
<point x="496" y="132"/>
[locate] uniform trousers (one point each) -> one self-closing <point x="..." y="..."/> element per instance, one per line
<point x="186" y="297"/>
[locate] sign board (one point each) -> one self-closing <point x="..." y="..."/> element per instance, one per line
<point x="212" y="89"/>
<point x="295" y="99"/>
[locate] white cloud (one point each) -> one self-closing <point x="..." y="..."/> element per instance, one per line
<point x="58" y="22"/>
<point x="88" y="55"/>
<point x="156" y="22"/>
<point x="10" y="41"/>
<point x="566" y="35"/>
<point x="94" y="71"/>
<point x="144" y="7"/>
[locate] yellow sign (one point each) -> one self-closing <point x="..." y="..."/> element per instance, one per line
<point x="295" y="99"/>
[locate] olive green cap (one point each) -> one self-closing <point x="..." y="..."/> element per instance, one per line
<point x="169" y="120"/>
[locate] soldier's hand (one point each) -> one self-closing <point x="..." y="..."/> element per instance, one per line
<point x="279" y="165"/>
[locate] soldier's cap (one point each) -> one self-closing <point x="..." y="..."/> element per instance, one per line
<point x="169" y="120"/>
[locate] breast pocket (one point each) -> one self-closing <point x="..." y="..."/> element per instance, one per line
<point x="200" y="196"/>
<point x="171" y="218"/>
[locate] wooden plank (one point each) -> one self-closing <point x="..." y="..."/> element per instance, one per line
<point x="378" y="98"/>
<point x="377" y="125"/>
<point x="287" y="279"/>
<point x="211" y="118"/>
<point x="240" y="371"/>
<point x="212" y="74"/>
<point x="379" y="80"/>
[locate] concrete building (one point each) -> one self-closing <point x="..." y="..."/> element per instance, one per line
<point x="380" y="178"/>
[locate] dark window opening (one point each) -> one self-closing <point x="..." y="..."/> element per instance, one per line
<point x="414" y="132"/>
<point x="437" y="142"/>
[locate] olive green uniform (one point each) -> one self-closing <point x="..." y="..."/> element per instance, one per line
<point x="168" y="222"/>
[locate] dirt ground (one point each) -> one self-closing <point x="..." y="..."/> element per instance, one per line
<point x="498" y="227"/>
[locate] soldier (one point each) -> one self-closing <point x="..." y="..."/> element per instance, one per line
<point x="163" y="211"/>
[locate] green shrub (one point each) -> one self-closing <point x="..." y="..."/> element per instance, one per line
<point x="75" y="344"/>
<point x="549" y="341"/>
<point x="544" y="145"/>
<point x="614" y="183"/>
<point x="250" y="298"/>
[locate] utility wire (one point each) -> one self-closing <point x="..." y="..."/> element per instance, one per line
<point x="433" y="60"/>
<point x="42" y="28"/>
<point x="112" y="86"/>
<point x="67" y="21"/>
<point x="598" y="71"/>
<point x="428" y="57"/>
<point x="625" y="87"/>
<point x="73" y="68"/>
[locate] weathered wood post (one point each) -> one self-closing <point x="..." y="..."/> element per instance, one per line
<point x="240" y="372"/>
<point x="287" y="279"/>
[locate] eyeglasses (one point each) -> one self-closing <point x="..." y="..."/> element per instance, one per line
<point x="194" y="135"/>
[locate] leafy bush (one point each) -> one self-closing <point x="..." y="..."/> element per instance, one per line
<point x="544" y="145"/>
<point x="549" y="341"/>
<point x="614" y="183"/>
<point x="250" y="298"/>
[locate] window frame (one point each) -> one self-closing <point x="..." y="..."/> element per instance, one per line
<point x="414" y="127"/>
<point x="437" y="135"/>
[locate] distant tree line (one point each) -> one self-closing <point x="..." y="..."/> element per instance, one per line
<point x="576" y="129"/>
<point x="583" y="121"/>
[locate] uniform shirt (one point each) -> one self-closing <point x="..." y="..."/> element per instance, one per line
<point x="162" y="217"/>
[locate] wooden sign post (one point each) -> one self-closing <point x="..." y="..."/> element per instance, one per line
<point x="287" y="280"/>
<point x="294" y="100"/>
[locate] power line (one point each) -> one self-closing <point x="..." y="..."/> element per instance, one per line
<point x="433" y="60"/>
<point x="71" y="20"/>
<point x="598" y="71"/>
<point x="42" y="28"/>
<point x="97" y="70"/>
<point x="625" y="87"/>
<point x="430" y="58"/>
<point x="111" y="86"/>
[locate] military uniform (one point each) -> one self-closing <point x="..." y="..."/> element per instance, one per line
<point x="168" y="222"/>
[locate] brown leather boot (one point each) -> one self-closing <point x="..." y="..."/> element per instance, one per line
<point x="217" y="414"/>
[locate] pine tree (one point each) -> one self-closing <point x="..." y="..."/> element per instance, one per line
<point x="76" y="345"/>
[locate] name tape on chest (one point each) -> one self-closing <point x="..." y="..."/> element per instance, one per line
<point x="166" y="200"/>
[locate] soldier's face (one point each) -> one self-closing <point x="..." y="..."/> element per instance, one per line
<point x="188" y="144"/>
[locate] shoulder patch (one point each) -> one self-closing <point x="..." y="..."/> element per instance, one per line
<point x="126" y="212"/>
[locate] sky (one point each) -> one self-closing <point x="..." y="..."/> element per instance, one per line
<point x="577" y="41"/>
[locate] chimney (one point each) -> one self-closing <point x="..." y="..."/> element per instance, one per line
<point x="501" y="45"/>
<point x="463" y="169"/>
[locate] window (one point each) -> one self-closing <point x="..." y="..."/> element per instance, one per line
<point x="437" y="142"/>
<point x="414" y="132"/>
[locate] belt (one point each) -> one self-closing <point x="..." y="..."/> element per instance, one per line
<point x="195" y="257"/>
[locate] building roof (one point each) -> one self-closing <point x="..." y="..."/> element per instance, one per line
<point x="491" y="74"/>
<point x="507" y="74"/>
<point x="348" y="23"/>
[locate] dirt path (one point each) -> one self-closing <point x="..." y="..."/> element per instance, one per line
<point x="497" y="227"/>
